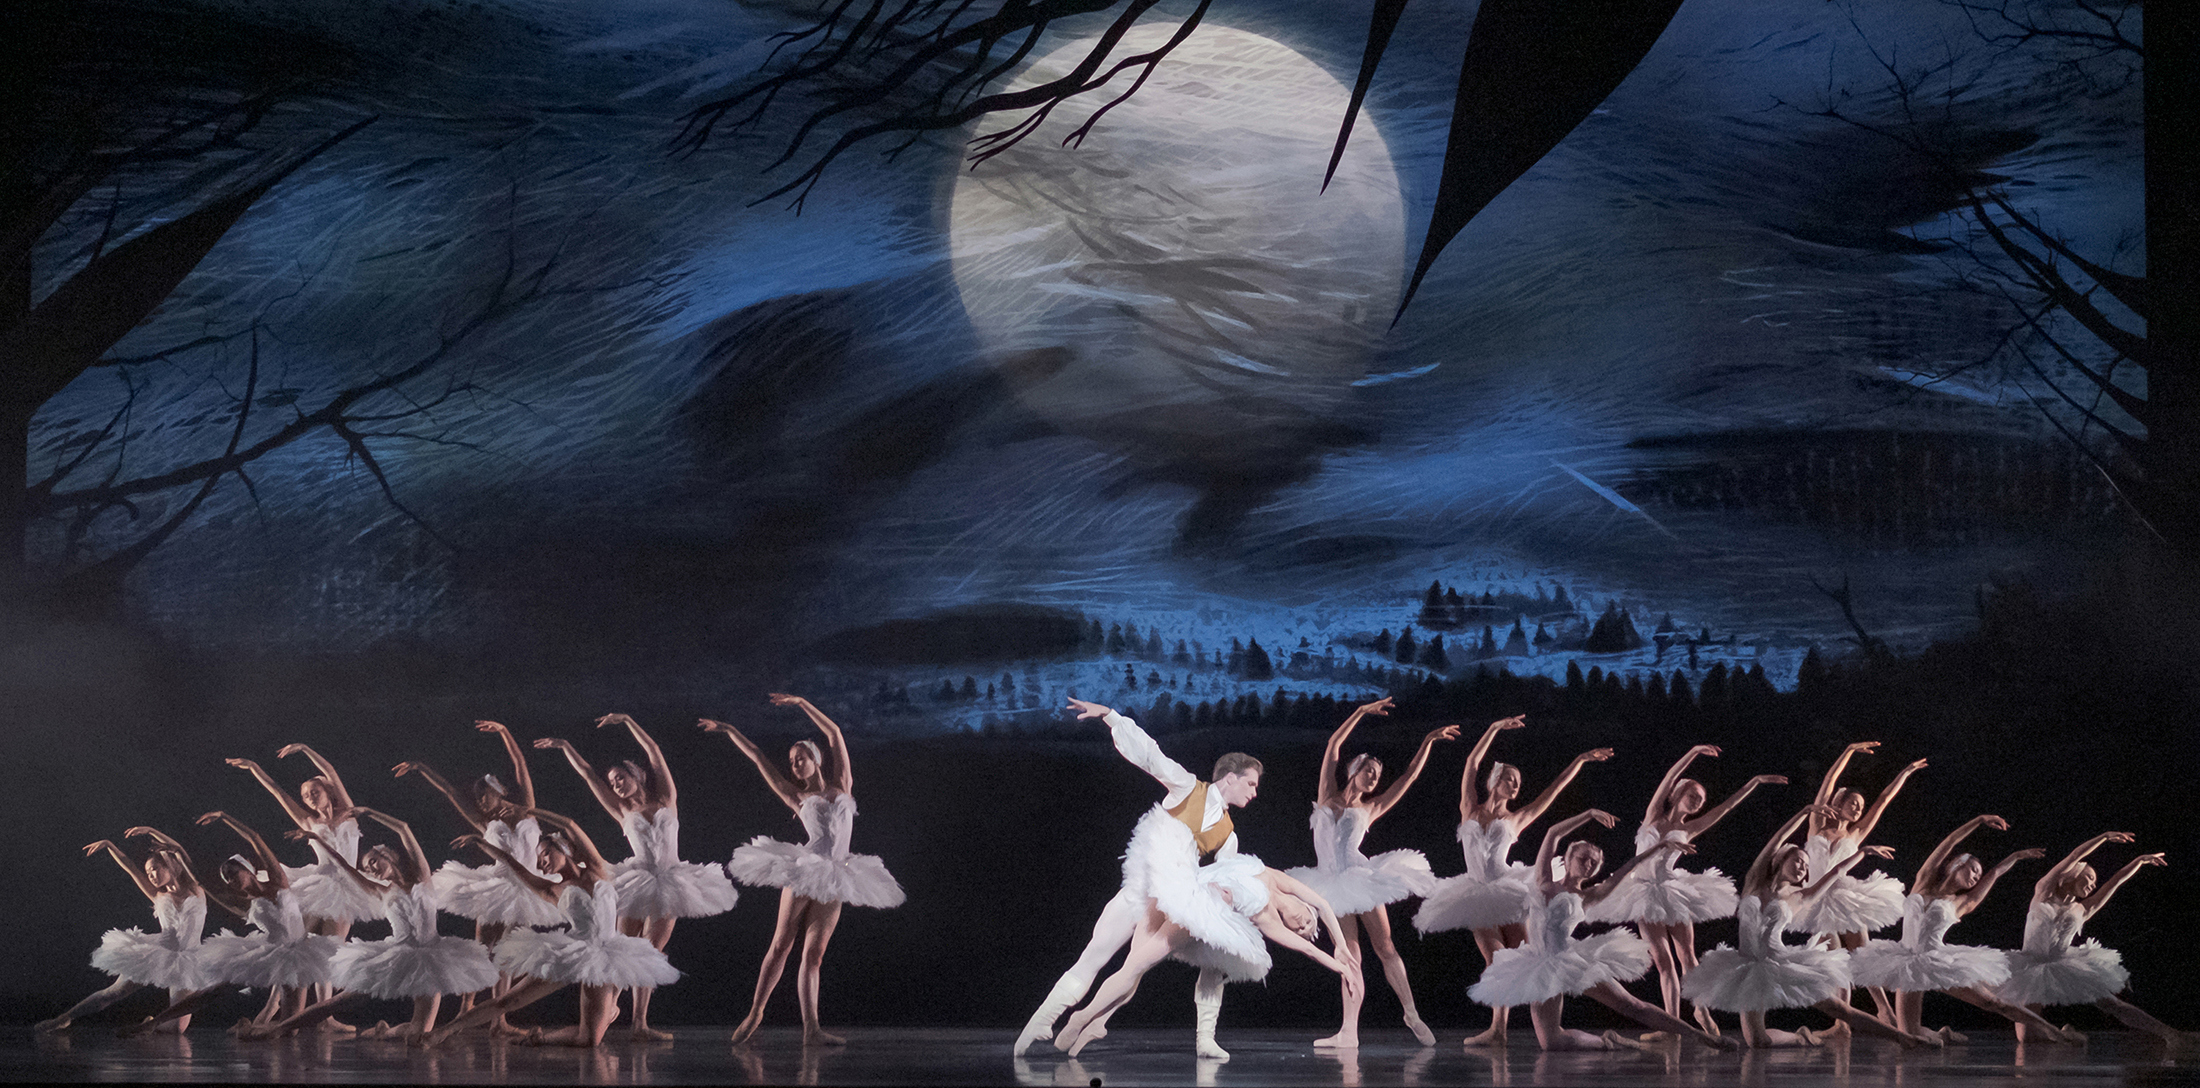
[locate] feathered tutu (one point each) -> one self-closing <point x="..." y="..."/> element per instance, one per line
<point x="1852" y="905"/>
<point x="489" y="894"/>
<point x="1765" y="972"/>
<point x="684" y="889"/>
<point x="325" y="891"/>
<point x="256" y="961"/>
<point x="859" y="879"/>
<point x="392" y="967"/>
<point x="1921" y="960"/>
<point x="152" y="959"/>
<point x="1162" y="864"/>
<point x="2083" y="974"/>
<point x="1525" y="975"/>
<point x="1467" y="901"/>
<point x="1363" y="886"/>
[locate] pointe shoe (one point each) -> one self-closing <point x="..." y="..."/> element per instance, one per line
<point x="1951" y="1035"/>
<point x="1420" y="1030"/>
<point x="1207" y="1011"/>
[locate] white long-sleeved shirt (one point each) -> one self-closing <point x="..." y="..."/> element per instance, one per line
<point x="1147" y="756"/>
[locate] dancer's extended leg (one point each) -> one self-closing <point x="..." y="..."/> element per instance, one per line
<point x="1207" y="1009"/>
<point x="658" y="932"/>
<point x="784" y="934"/>
<point x="1118" y="921"/>
<point x="1609" y="995"/>
<point x="817" y="932"/>
<point x="1155" y="937"/>
<point x="114" y="991"/>
<point x="1348" y="1036"/>
<point x="1490" y="942"/>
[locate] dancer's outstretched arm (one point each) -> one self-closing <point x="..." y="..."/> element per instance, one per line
<point x="1870" y="821"/>
<point x="1325" y="790"/>
<point x="523" y="782"/>
<point x="1134" y="745"/>
<point x="1928" y="872"/>
<point x="342" y="799"/>
<point x="588" y="855"/>
<point x="1821" y="825"/>
<point x="1596" y="892"/>
<point x="1705" y="819"/>
<point x="414" y="855"/>
<point x="297" y="811"/>
<point x="1469" y="801"/>
<point x="137" y="872"/>
<point x="261" y="851"/>
<point x="1525" y="816"/>
<point x="466" y="809"/>
<point x="1758" y="880"/>
<point x="1841" y="868"/>
<point x="2051" y="880"/>
<point x="1551" y="838"/>
<point x="596" y="784"/>
<point x="668" y="795"/>
<point x="374" y="888"/>
<point x="548" y="889"/>
<point x="1656" y="807"/>
<point x="2099" y="898"/>
<point x="164" y="841"/>
<point x="1397" y="790"/>
<point x="782" y="786"/>
<point x="844" y="772"/>
<point x="1969" y="901"/>
<point x="1343" y="962"/>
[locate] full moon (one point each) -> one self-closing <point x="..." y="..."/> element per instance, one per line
<point x="1184" y="257"/>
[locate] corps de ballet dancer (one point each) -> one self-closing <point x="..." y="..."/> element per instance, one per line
<point x="590" y="952"/>
<point x="1945" y="889"/>
<point x="656" y="888"/>
<point x="2054" y="969"/>
<point x="1553" y="964"/>
<point x="283" y="958"/>
<point x="491" y="894"/>
<point x="1762" y="971"/>
<point x="332" y="901"/>
<point x="1273" y="904"/>
<point x="414" y="961"/>
<point x="1191" y="823"/>
<point x="1663" y="901"/>
<point x="1855" y="906"/>
<point x="1360" y="888"/>
<point x="815" y="878"/>
<point x="170" y="958"/>
<point x="1493" y="897"/>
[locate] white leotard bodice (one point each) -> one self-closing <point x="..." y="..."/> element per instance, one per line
<point x="2050" y="927"/>
<point x="830" y="823"/>
<point x="343" y="834"/>
<point x="1823" y="854"/>
<point x="277" y="917"/>
<point x="1925" y="922"/>
<point x="1486" y="846"/>
<point x="591" y="913"/>
<point x="1551" y="925"/>
<point x="1337" y="836"/>
<point x="654" y="839"/>
<point x="522" y="840"/>
<point x="182" y="919"/>
<point x="1761" y="924"/>
<point x="1660" y="866"/>
<point x="411" y="913"/>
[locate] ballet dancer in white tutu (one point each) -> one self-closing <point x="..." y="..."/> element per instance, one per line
<point x="1764" y="971"/>
<point x="170" y="957"/>
<point x="1553" y="964"/>
<point x="490" y="894"/>
<point x="2054" y="969"/>
<point x="1664" y="901"/>
<point x="1191" y="823"/>
<point x="590" y="952"/>
<point x="414" y="961"/>
<point x="283" y="958"/>
<point x="656" y="888"/>
<point x="1358" y="887"/>
<point x="1493" y="896"/>
<point x="1271" y="903"/>
<point x="1946" y="889"/>
<point x="1854" y="906"/>
<point x="815" y="878"/>
<point x="323" y="808"/>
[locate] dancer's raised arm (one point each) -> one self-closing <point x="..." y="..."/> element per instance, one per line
<point x="1383" y="802"/>
<point x="1841" y="868"/>
<point x="413" y="853"/>
<point x="1134" y="745"/>
<point x="1344" y="963"/>
<point x="163" y="841"/>
<point x="2108" y="887"/>
<point x="1325" y="791"/>
<point x="261" y="851"/>
<point x="137" y="872"/>
<point x="2051" y="881"/>
<point x="1595" y="893"/>
<point x="1534" y="811"/>
<point x="1469" y="800"/>
<point x="1656" y="808"/>
<point x="1820" y="823"/>
<point x="780" y="784"/>
<point x="668" y="794"/>
<point x="340" y="798"/>
<point x="1758" y="880"/>
<point x="467" y="810"/>
<point x="835" y="743"/>
<point x="1558" y="832"/>
<point x="1969" y="900"/>
<point x="584" y="847"/>
<point x="1929" y="876"/>
<point x="523" y="782"/>
<point x="299" y="814"/>
<point x="1715" y="813"/>
<point x="595" y="781"/>
<point x="1870" y="819"/>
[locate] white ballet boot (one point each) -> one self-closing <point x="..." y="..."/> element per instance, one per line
<point x="1068" y="990"/>
<point x="1207" y="1008"/>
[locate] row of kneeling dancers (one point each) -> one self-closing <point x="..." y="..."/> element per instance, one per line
<point x="1189" y="894"/>
<point x="550" y="911"/>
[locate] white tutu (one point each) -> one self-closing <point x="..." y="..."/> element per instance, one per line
<point x="2053" y="969"/>
<point x="1765" y="972"/>
<point x="1352" y="882"/>
<point x="1921" y="960"/>
<point x="324" y="889"/>
<point x="821" y="869"/>
<point x="591" y="951"/>
<point x="171" y="959"/>
<point x="282" y="953"/>
<point x="1489" y="894"/>
<point x="1853" y="904"/>
<point x="413" y="961"/>
<point x="1162" y="864"/>
<point x="655" y="883"/>
<point x="1553" y="963"/>
<point x="490" y="893"/>
<point x="1660" y="892"/>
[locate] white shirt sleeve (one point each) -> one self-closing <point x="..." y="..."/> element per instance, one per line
<point x="1144" y="754"/>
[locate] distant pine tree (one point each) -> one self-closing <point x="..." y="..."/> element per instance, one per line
<point x="1115" y="638"/>
<point x="1455" y="608"/>
<point x="1406" y="646"/>
<point x="1543" y="640"/>
<point x="1574" y="679"/>
<point x="1257" y="665"/>
<point x="1432" y="606"/>
<point x="1488" y="648"/>
<point x="1516" y="642"/>
<point x="1153" y="643"/>
<point x="970" y="687"/>
<point x="1182" y="657"/>
<point x="1130" y="677"/>
<point x="1432" y="655"/>
<point x="1382" y="641"/>
<point x="1678" y="689"/>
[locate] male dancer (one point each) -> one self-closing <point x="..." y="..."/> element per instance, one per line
<point x="1236" y="783"/>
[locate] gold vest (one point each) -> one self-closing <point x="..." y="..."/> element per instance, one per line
<point x="1191" y="810"/>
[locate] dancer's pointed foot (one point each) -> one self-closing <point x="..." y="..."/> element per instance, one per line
<point x="1840" y="1032"/>
<point x="1343" y="1040"/>
<point x="1706" y="1021"/>
<point x="1809" y="1037"/>
<point x="2070" y="1035"/>
<point x="1615" y="1041"/>
<point x="534" y="1037"/>
<point x="1091" y="1034"/>
<point x="821" y="1037"/>
<point x="1656" y="1037"/>
<point x="1420" y="1029"/>
<point x="1491" y="1036"/>
<point x="646" y="1034"/>
<point x="1951" y="1035"/>
<point x="1034" y="1032"/>
<point x="746" y="1030"/>
<point x="2183" y="1043"/>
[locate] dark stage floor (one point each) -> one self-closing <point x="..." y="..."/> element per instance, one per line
<point x="894" y="1056"/>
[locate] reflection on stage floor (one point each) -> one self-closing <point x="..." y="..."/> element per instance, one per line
<point x="1128" y="1058"/>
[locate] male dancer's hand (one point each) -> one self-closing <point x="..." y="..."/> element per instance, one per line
<point x="1087" y="710"/>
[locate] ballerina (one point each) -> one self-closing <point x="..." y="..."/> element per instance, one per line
<point x="1202" y="810"/>
<point x="414" y="960"/>
<point x="1358" y="887"/>
<point x="2053" y="969"/>
<point x="1493" y="897"/>
<point x="169" y="958"/>
<point x="815" y="879"/>
<point x="1665" y="902"/>
<point x="591" y="952"/>
<point x="283" y="958"/>
<point x="656" y="888"/>
<point x="1946" y="889"/>
<point x="1273" y="904"/>
<point x="332" y="901"/>
<point x="1854" y="906"/>
<point x="1764" y="971"/>
<point x="1554" y="964"/>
